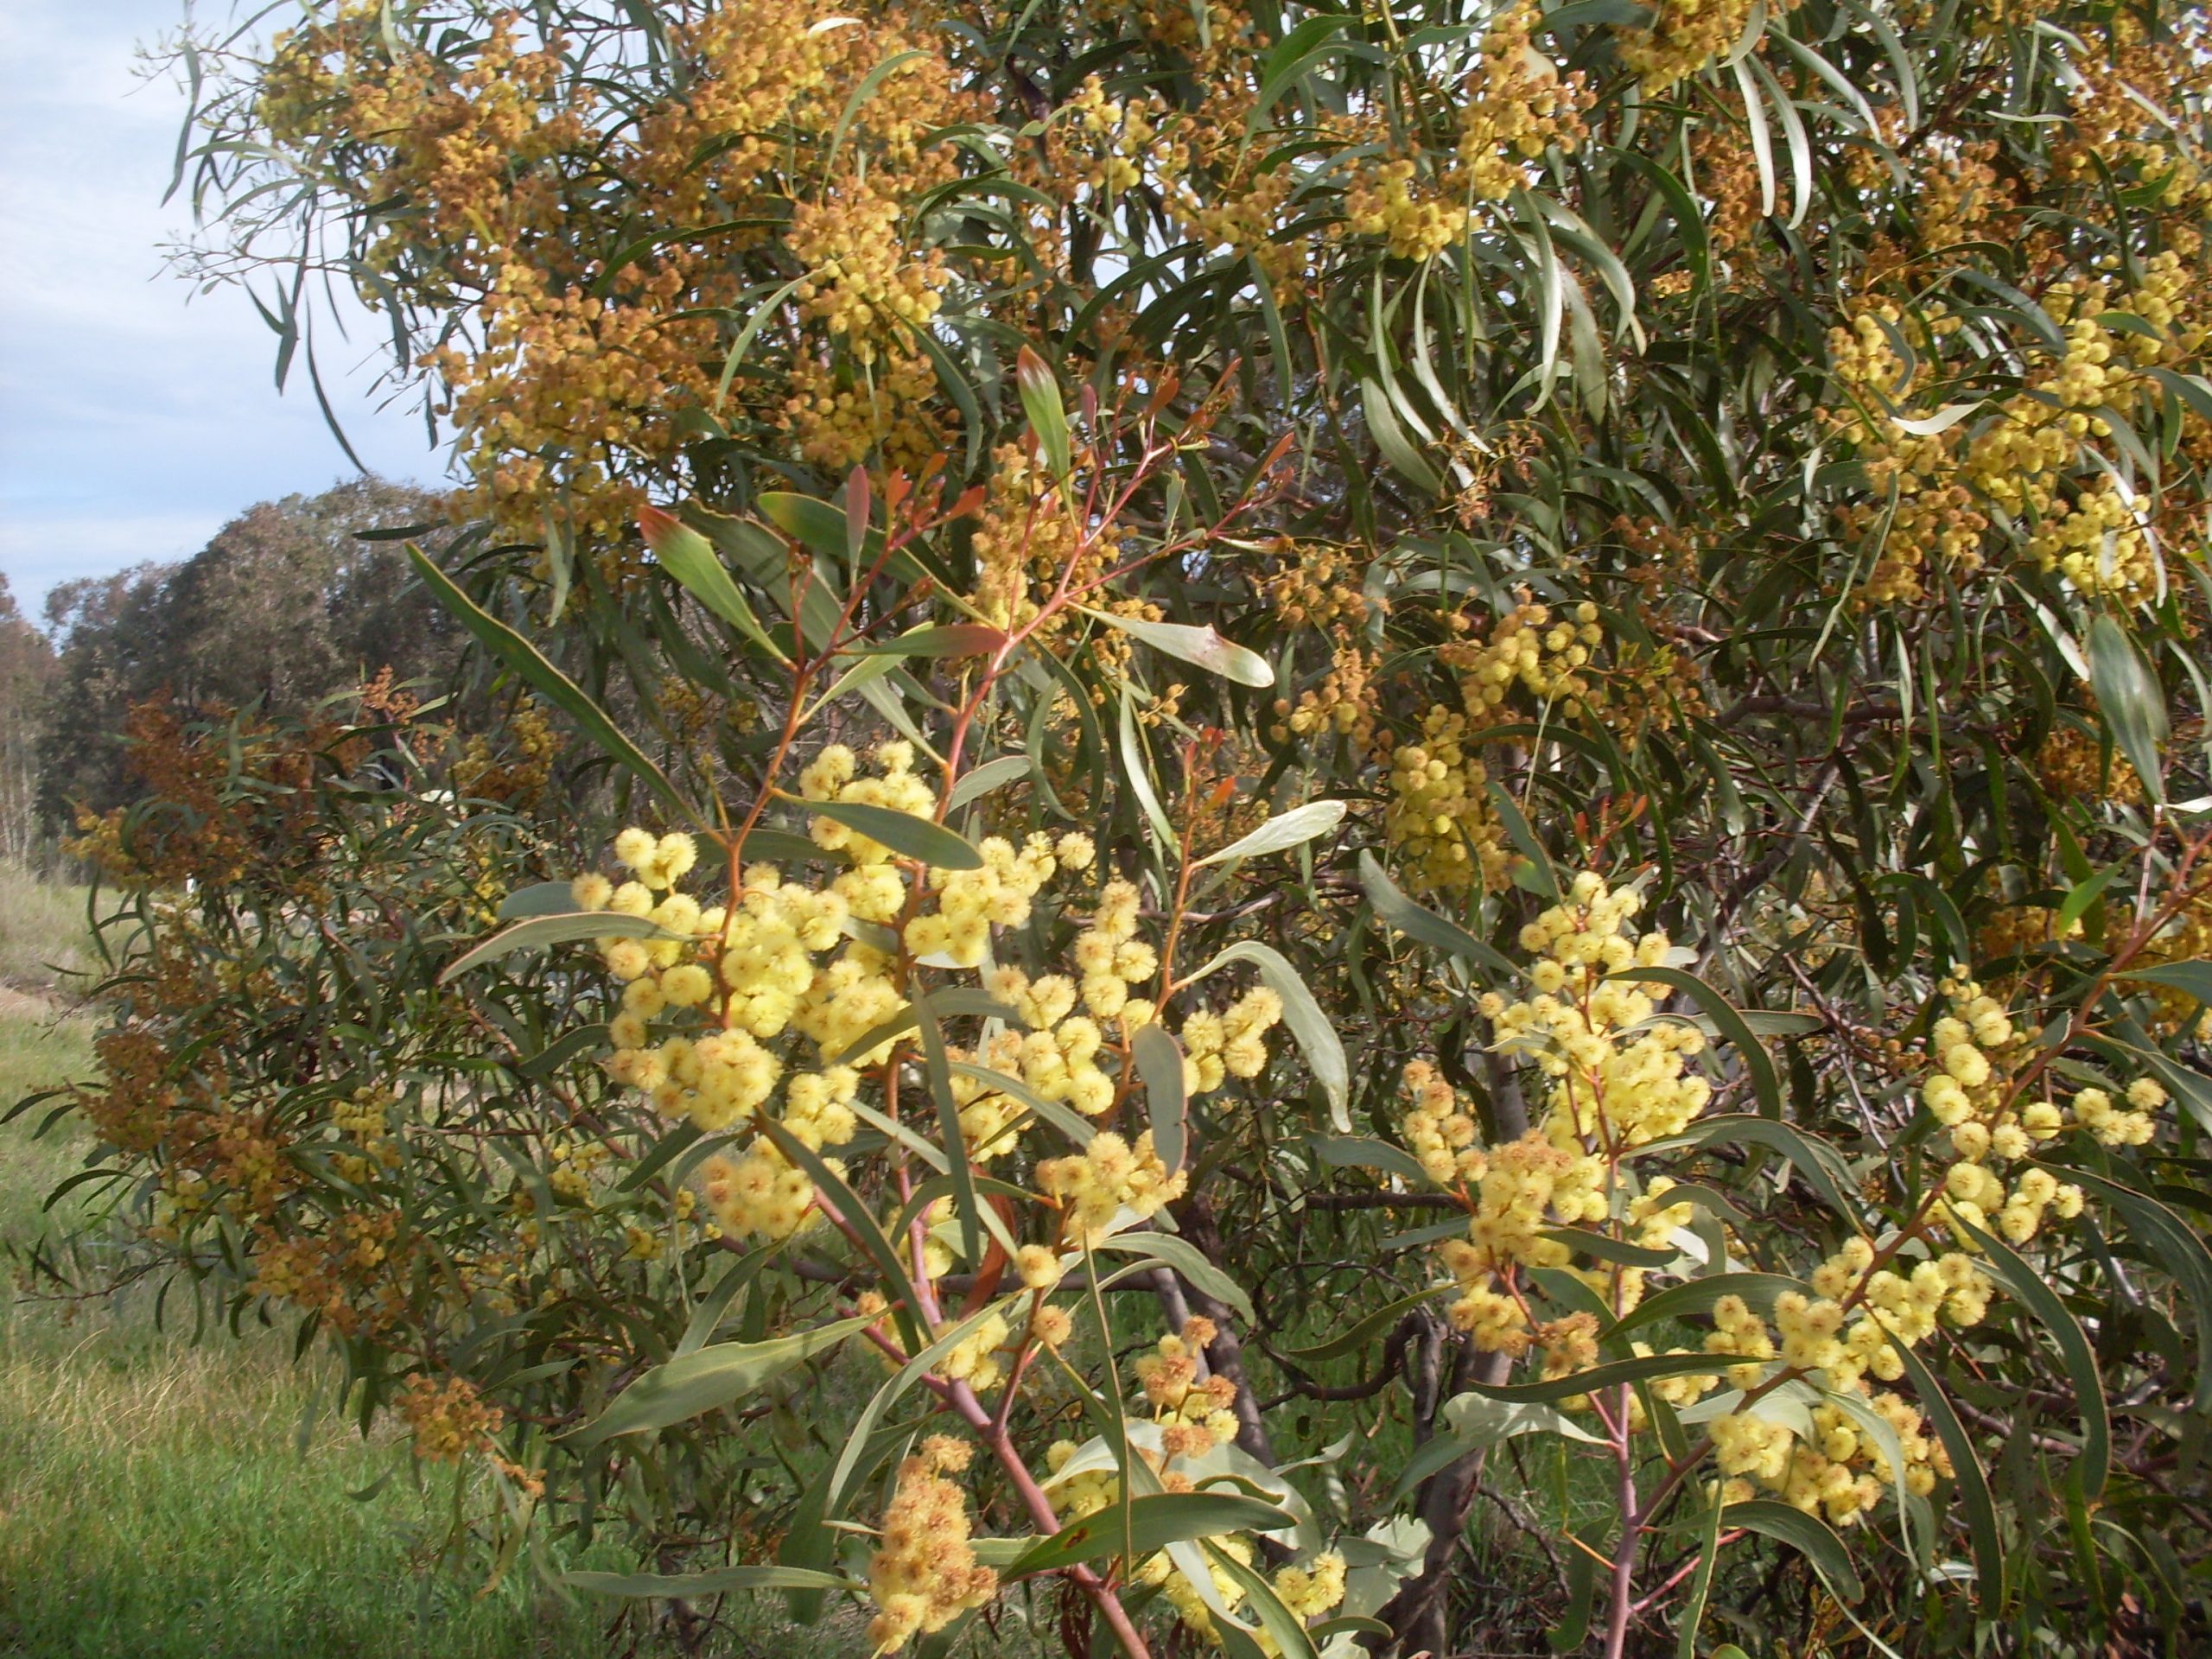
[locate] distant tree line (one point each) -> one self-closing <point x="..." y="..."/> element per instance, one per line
<point x="287" y="605"/>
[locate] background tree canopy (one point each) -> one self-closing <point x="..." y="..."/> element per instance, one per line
<point x="1485" y="723"/>
<point x="286" y="606"/>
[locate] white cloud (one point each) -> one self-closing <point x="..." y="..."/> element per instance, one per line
<point x="136" y="416"/>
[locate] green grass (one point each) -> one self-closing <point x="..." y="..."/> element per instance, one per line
<point x="157" y="1500"/>
<point x="155" y="1497"/>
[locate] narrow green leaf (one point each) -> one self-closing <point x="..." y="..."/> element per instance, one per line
<point x="518" y="654"/>
<point x="2194" y="978"/>
<point x="714" y="1581"/>
<point x="1968" y="1482"/>
<point x="1286" y="829"/>
<point x="1048" y="416"/>
<point x="1391" y="906"/>
<point x="2131" y="700"/>
<point x="815" y="525"/>
<point x="2174" y="1245"/>
<point x="539" y="899"/>
<point x="1610" y="1375"/>
<point x="691" y="559"/>
<point x="1758" y="1291"/>
<point x="1189" y="1261"/>
<point x="1138" y="767"/>
<point x="1154" y="1522"/>
<point x="1363" y="1330"/>
<point x="2027" y="1287"/>
<point x="992" y="774"/>
<point x="539" y="931"/>
<point x="934" y="1067"/>
<point x="1311" y="1029"/>
<point x="903" y="833"/>
<point x="1390" y="439"/>
<point x="1820" y="1164"/>
<point x="1160" y="1063"/>
<point x="1201" y="647"/>
<point x="1470" y="1423"/>
<point x="1362" y="1152"/>
<point x="1291" y="1640"/>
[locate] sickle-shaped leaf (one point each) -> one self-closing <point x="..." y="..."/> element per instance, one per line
<point x="518" y="654"/>
<point x="1200" y="645"/>
<point x="1291" y="829"/>
<point x="1313" y="1030"/>
<point x="903" y="833"/>
<point x="2027" y="1287"/>
<point x="1188" y="1259"/>
<point x="1154" y="1522"/>
<point x="1820" y="1164"/>
<point x="1807" y="1533"/>
<point x="1394" y="908"/>
<point x="709" y="1378"/>
<point x="691" y="559"/>
<point x="539" y="931"/>
<point x="2131" y="699"/>
<point x="1160" y="1063"/>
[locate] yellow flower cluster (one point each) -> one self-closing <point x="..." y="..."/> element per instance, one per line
<point x="1440" y="818"/>
<point x="1616" y="1081"/>
<point x="450" y="1419"/>
<point x="1840" y="1471"/>
<point x="1438" y="1130"/>
<point x="1515" y="105"/>
<point x="924" y="1574"/>
<point x="838" y="416"/>
<point x="1194" y="1413"/>
<point x="702" y="1002"/>
<point x="1616" y="1076"/>
<point x="1112" y="958"/>
<point x="1415" y="219"/>
<point x="2072" y="765"/>
<point x="1975" y="1047"/>
<point x="1121" y="141"/>
<point x="1230" y="1044"/>
<point x="1682" y="38"/>
<point x="861" y="282"/>
<point x="1529" y="648"/>
<point x="1194" y="1417"/>
<point x="1108" y="1176"/>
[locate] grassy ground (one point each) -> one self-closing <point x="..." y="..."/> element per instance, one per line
<point x="155" y="1499"/>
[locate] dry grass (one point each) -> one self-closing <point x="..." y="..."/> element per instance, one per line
<point x="45" y="941"/>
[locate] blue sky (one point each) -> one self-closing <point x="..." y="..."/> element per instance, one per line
<point x="136" y="415"/>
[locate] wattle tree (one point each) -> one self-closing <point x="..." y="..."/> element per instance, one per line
<point x="1353" y="828"/>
